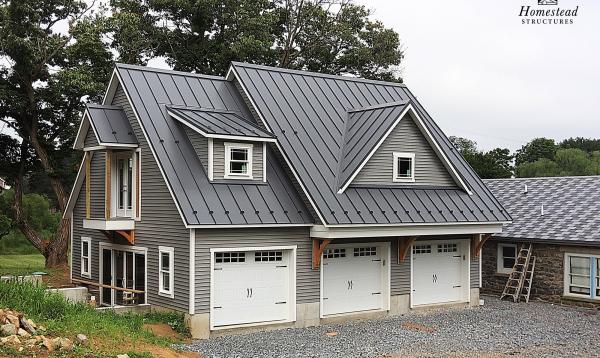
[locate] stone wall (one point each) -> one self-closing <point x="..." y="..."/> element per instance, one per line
<point x="548" y="278"/>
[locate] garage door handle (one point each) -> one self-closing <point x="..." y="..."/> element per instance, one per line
<point x="281" y="266"/>
<point x="217" y="307"/>
<point x="218" y="268"/>
<point x="457" y="256"/>
<point x="376" y="293"/>
<point x="280" y="303"/>
<point x="456" y="286"/>
<point x="378" y="260"/>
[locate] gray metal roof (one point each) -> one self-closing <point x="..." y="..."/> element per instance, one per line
<point x="364" y="128"/>
<point x="218" y="122"/>
<point x="571" y="208"/>
<point x="308" y="114"/>
<point x="200" y="201"/>
<point x="110" y="124"/>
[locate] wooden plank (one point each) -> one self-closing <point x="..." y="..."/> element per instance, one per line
<point x="88" y="165"/>
<point x="404" y="244"/>
<point x="319" y="247"/>
<point x="97" y="284"/>
<point x="477" y="242"/>
<point x="107" y="201"/>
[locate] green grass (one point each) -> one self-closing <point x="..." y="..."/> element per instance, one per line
<point x="21" y="264"/>
<point x="109" y="331"/>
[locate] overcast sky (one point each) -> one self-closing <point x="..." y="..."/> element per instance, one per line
<point x="483" y="75"/>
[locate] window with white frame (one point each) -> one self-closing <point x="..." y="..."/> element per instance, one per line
<point x="165" y="271"/>
<point x="507" y="256"/>
<point x="404" y="167"/>
<point x="86" y="249"/>
<point x="238" y="161"/>
<point x="582" y="276"/>
<point x="124" y="183"/>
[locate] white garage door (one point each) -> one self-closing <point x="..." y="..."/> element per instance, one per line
<point x="251" y="287"/>
<point x="354" y="279"/>
<point x="440" y="271"/>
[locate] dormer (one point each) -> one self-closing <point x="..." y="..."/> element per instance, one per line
<point x="230" y="147"/>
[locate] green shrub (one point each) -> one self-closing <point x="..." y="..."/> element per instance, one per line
<point x="174" y="319"/>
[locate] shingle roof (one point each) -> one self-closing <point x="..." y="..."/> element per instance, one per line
<point x="217" y="122"/>
<point x="308" y="112"/>
<point x="200" y="201"/>
<point x="571" y="208"/>
<point x="110" y="124"/>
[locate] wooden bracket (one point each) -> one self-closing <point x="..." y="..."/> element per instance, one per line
<point x="404" y="244"/>
<point x="477" y="241"/>
<point x="128" y="235"/>
<point x="318" y="248"/>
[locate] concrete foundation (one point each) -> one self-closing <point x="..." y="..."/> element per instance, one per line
<point x="73" y="294"/>
<point x="399" y="305"/>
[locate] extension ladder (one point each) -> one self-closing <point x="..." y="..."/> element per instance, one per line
<point x="521" y="276"/>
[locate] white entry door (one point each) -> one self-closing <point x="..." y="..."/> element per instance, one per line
<point x="354" y="278"/>
<point x="251" y="287"/>
<point x="440" y="272"/>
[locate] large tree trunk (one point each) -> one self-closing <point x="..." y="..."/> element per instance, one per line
<point x="56" y="250"/>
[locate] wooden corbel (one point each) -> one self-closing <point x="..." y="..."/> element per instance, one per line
<point x="318" y="247"/>
<point x="404" y="244"/>
<point x="128" y="235"/>
<point x="477" y="241"/>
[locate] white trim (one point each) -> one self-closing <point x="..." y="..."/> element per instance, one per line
<point x="500" y="257"/>
<point x="112" y="87"/>
<point x="76" y="187"/>
<point x="133" y="249"/>
<point x="86" y="271"/>
<point x="395" y="177"/>
<point x="430" y="139"/>
<point x="71" y="249"/>
<point x="114" y="182"/>
<point x="416" y="229"/>
<point x="567" y="274"/>
<point x="192" y="287"/>
<point x="249" y="147"/>
<point x="211" y="159"/>
<point x="111" y="224"/>
<point x="264" y="162"/>
<point x="171" y="291"/>
<point x="480" y="271"/>
<point x="219" y="136"/>
<point x="139" y="249"/>
<point x="264" y="122"/>
<point x="245" y="226"/>
<point x="137" y="161"/>
<point x="293" y="257"/>
<point x="93" y="149"/>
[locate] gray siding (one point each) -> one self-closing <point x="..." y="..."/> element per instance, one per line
<point x="475" y="272"/>
<point x="90" y="139"/>
<point x="78" y="233"/>
<point x="219" y="160"/>
<point x="406" y="137"/>
<point x="307" y="279"/>
<point x="97" y="186"/>
<point x="200" y="144"/>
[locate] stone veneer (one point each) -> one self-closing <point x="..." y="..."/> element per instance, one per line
<point x="548" y="277"/>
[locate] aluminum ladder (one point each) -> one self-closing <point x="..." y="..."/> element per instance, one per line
<point x="517" y="277"/>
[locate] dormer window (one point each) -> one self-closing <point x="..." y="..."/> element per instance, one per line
<point x="238" y="161"/>
<point x="124" y="184"/>
<point x="404" y="167"/>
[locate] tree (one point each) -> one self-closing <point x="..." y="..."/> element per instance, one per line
<point x="588" y="145"/>
<point x="42" y="88"/>
<point x="496" y="163"/>
<point x="543" y="167"/>
<point x="206" y="35"/>
<point x="536" y="149"/>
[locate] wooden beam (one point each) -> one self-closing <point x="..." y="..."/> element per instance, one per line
<point x="88" y="164"/>
<point x="128" y="235"/>
<point x="477" y="241"/>
<point x="404" y="244"/>
<point x="107" y="200"/>
<point x="97" y="284"/>
<point x="319" y="247"/>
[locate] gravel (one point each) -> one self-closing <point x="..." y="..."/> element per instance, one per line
<point x="498" y="329"/>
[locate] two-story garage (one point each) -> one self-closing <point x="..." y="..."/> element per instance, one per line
<point x="273" y="197"/>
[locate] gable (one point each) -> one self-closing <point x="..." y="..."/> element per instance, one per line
<point x="90" y="139"/>
<point x="406" y="137"/>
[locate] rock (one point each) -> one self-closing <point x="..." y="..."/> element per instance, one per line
<point x="82" y="340"/>
<point x="65" y="344"/>
<point x="8" y="329"/>
<point x="21" y="349"/>
<point x="47" y="343"/>
<point x="13" y="319"/>
<point x="28" y="325"/>
<point x="23" y="333"/>
<point x="122" y="356"/>
<point x="11" y="340"/>
<point x="331" y="334"/>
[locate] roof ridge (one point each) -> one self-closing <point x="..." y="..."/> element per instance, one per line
<point x="171" y="72"/>
<point x="543" y="178"/>
<point x="103" y="106"/>
<point x="378" y="106"/>
<point x="317" y="74"/>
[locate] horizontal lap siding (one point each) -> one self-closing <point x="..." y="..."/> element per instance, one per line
<point x="406" y="137"/>
<point x="160" y="224"/>
<point x="219" y="160"/>
<point x="200" y="145"/>
<point x="475" y="272"/>
<point x="97" y="185"/>
<point x="78" y="233"/>
<point x="90" y="139"/>
<point x="307" y="279"/>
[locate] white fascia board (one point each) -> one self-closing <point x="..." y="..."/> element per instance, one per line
<point x="347" y="232"/>
<point x="108" y="225"/>
<point x="84" y="126"/>
<point x="117" y="145"/>
<point x="220" y="136"/>
<point x="244" y="226"/>
<point x="409" y="109"/>
<point x="231" y="75"/>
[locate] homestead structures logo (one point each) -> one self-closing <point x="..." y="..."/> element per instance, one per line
<point x="544" y="15"/>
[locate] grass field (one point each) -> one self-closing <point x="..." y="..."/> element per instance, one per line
<point x="21" y="264"/>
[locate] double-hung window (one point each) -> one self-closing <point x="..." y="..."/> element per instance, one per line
<point x="165" y="271"/>
<point x="507" y="256"/>
<point x="86" y="264"/>
<point x="582" y="276"/>
<point x="238" y="161"/>
<point x="404" y="167"/>
<point x="124" y="183"/>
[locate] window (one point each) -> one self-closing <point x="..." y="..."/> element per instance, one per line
<point x="334" y="253"/>
<point x="262" y="256"/>
<point x="86" y="249"/>
<point x="582" y="276"/>
<point x="165" y="271"/>
<point x="421" y="249"/>
<point x="447" y="248"/>
<point x="238" y="161"/>
<point x="228" y="257"/>
<point x="507" y="256"/>
<point x="404" y="167"/>
<point x="365" y="251"/>
<point x="124" y="183"/>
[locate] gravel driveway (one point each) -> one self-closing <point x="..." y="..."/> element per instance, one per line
<point x="498" y="329"/>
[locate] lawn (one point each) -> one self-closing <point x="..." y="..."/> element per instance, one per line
<point x="21" y="264"/>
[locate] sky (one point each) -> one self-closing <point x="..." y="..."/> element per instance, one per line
<point x="483" y="75"/>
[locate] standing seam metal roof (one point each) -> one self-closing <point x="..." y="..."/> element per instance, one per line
<point x="308" y="114"/>
<point x="110" y="124"/>
<point x="200" y="201"/>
